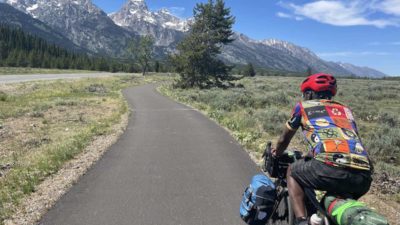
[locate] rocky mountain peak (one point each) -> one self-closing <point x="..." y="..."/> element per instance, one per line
<point x="164" y="11"/>
<point x="290" y="47"/>
<point x="36" y="7"/>
<point x="81" y="21"/>
<point x="136" y="5"/>
<point x="135" y="13"/>
<point x="90" y="28"/>
<point x="135" y="16"/>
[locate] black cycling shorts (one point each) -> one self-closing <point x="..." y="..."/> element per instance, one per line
<point x="317" y="175"/>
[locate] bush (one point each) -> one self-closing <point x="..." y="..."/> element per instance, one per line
<point x="272" y="120"/>
<point x="3" y="96"/>
<point x="384" y="142"/>
<point x="260" y="109"/>
<point x="389" y="118"/>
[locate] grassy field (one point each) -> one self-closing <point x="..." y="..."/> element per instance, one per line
<point x="257" y="109"/>
<point x="45" y="124"/>
<point x="26" y="70"/>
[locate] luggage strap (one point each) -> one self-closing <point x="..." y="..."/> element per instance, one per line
<point x="341" y="209"/>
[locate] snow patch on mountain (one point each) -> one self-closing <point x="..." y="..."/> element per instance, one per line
<point x="136" y="11"/>
<point x="80" y="21"/>
<point x="90" y="28"/>
<point x="33" y="7"/>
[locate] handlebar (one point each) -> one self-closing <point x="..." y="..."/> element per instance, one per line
<point x="277" y="166"/>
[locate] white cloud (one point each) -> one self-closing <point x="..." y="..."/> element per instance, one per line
<point x="348" y="13"/>
<point x="390" y="7"/>
<point x="288" y="16"/>
<point x="283" y="15"/>
<point x="350" y="54"/>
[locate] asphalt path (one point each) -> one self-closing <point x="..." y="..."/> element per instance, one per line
<point x="172" y="166"/>
<point x="6" y="79"/>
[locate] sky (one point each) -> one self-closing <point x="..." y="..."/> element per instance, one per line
<point x="361" y="32"/>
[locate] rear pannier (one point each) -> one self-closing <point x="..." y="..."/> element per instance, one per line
<point x="258" y="200"/>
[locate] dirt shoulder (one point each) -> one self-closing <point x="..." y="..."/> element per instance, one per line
<point x="51" y="132"/>
<point x="50" y="190"/>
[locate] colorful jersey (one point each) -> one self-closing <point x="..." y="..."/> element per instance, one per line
<point x="331" y="132"/>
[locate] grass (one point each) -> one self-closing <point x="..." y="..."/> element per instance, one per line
<point x="45" y="124"/>
<point x="27" y="70"/>
<point x="257" y="109"/>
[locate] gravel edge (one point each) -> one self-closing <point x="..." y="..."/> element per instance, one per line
<point x="33" y="207"/>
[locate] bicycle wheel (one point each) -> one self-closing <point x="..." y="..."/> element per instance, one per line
<point x="284" y="213"/>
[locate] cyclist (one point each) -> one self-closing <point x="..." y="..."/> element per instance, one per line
<point x="338" y="162"/>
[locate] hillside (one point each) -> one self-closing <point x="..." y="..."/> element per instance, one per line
<point x="108" y="35"/>
<point x="19" y="49"/>
<point x="15" y="18"/>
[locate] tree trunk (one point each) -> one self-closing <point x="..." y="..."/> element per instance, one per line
<point x="144" y="70"/>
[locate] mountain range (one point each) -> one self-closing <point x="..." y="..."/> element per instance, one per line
<point x="79" y="24"/>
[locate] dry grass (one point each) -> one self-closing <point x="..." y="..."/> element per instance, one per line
<point x="257" y="109"/>
<point x="45" y="124"/>
<point x="27" y="70"/>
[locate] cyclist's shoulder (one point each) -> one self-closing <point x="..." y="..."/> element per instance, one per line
<point x="320" y="102"/>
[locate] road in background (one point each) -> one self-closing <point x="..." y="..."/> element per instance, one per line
<point x="4" y="79"/>
<point x="172" y="166"/>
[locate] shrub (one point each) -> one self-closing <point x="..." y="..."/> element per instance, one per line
<point x="272" y="120"/>
<point x="389" y="118"/>
<point x="3" y="96"/>
<point x="384" y="142"/>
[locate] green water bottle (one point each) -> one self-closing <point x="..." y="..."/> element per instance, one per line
<point x="352" y="212"/>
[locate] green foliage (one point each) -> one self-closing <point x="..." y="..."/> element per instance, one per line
<point x="19" y="49"/>
<point x="249" y="70"/>
<point x="141" y="50"/>
<point x="257" y="112"/>
<point x="197" y="61"/>
<point x="157" y="66"/>
<point x="309" y="71"/>
<point x="3" y="96"/>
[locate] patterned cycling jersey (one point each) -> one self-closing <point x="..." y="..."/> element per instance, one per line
<point x="331" y="132"/>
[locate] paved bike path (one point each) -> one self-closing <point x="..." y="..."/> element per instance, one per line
<point x="172" y="166"/>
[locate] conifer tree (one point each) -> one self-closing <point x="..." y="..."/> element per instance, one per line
<point x="18" y="48"/>
<point x="197" y="61"/>
<point x="157" y="66"/>
<point x="249" y="70"/>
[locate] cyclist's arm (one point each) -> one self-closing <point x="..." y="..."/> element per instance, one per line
<point x="284" y="141"/>
<point x="290" y="130"/>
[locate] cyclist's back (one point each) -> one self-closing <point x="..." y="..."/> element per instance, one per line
<point x="331" y="132"/>
<point x="339" y="163"/>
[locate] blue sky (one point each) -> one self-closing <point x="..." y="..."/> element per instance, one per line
<point x="362" y="32"/>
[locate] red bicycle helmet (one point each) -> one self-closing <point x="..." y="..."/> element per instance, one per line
<point x="320" y="82"/>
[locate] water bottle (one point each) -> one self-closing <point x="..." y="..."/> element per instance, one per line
<point x="315" y="220"/>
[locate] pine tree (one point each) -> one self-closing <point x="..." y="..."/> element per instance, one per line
<point x="309" y="71"/>
<point x="157" y="66"/>
<point x="18" y="48"/>
<point x="3" y="51"/>
<point x="249" y="70"/>
<point x="197" y="62"/>
<point x="12" y="59"/>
